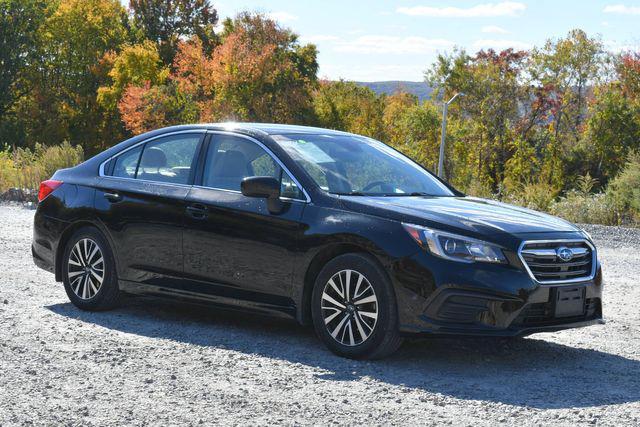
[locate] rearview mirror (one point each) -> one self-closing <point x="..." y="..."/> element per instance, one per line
<point x="261" y="186"/>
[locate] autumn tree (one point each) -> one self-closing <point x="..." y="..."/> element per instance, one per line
<point x="167" y="22"/>
<point x="136" y="65"/>
<point x="259" y="72"/>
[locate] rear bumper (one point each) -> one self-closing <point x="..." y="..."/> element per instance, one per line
<point x="46" y="237"/>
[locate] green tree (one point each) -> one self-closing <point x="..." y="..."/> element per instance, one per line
<point x="63" y="85"/>
<point x="413" y="128"/>
<point x="568" y="68"/>
<point x="20" y="21"/>
<point x="137" y="65"/>
<point x="612" y="131"/>
<point x="346" y="106"/>
<point x="493" y="83"/>
<point x="166" y="22"/>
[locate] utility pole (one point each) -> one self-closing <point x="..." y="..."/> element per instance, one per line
<point x="445" y="108"/>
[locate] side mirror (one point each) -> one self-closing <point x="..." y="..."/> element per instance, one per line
<point x="260" y="186"/>
<point x="265" y="187"/>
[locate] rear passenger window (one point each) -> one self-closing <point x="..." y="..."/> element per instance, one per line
<point x="127" y="163"/>
<point x="169" y="159"/>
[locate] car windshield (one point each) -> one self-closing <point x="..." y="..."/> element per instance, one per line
<point x="353" y="165"/>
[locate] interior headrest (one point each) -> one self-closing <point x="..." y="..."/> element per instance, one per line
<point x="153" y="157"/>
<point x="232" y="164"/>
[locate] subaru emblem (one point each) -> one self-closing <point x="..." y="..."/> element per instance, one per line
<point x="564" y="253"/>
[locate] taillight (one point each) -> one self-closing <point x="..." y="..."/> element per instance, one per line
<point x="46" y="187"/>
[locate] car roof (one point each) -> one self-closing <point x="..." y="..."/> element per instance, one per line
<point x="260" y="128"/>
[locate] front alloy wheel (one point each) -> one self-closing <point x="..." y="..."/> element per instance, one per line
<point x="349" y="307"/>
<point x="353" y="306"/>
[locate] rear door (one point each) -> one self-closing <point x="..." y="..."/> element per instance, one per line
<point x="141" y="200"/>
<point x="235" y="250"/>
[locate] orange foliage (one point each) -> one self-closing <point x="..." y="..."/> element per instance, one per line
<point x="258" y="73"/>
<point x="135" y="117"/>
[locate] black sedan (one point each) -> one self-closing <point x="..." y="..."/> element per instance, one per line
<point x="326" y="227"/>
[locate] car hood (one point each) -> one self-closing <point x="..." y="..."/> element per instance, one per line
<point x="478" y="216"/>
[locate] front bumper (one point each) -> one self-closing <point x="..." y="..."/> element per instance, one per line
<point x="463" y="312"/>
<point x="441" y="297"/>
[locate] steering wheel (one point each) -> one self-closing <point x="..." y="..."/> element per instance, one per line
<point x="383" y="186"/>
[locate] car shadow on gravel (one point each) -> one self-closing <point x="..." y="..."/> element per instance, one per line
<point x="527" y="372"/>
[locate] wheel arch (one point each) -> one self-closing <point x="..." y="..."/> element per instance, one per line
<point x="64" y="239"/>
<point x="320" y="259"/>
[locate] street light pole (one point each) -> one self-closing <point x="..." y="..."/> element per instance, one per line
<point x="444" y="133"/>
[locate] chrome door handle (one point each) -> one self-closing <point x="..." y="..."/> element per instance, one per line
<point x="197" y="211"/>
<point x="113" y="197"/>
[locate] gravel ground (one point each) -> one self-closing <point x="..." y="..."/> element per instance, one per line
<point x="153" y="362"/>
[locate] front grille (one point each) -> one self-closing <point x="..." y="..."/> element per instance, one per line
<point x="546" y="266"/>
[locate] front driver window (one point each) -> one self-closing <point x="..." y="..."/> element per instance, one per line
<point x="230" y="159"/>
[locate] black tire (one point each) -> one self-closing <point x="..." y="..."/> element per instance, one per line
<point x="97" y="298"/>
<point x="383" y="336"/>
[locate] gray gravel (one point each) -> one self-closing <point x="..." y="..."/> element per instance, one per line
<point x="157" y="363"/>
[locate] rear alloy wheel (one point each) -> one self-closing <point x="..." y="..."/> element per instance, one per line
<point x="354" y="308"/>
<point x="85" y="269"/>
<point x="88" y="271"/>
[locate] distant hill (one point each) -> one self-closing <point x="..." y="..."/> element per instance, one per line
<point x="419" y="89"/>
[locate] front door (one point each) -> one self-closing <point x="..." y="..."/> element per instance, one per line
<point x="235" y="250"/>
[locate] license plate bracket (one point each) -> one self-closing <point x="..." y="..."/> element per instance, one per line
<point x="569" y="302"/>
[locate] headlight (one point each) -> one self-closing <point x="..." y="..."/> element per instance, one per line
<point x="455" y="247"/>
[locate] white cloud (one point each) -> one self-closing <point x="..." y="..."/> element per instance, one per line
<point x="500" y="44"/>
<point x="493" y="29"/>
<point x="393" y="45"/>
<point x="487" y="10"/>
<point x="616" y="46"/>
<point x="282" y="16"/>
<point x="622" y="9"/>
<point x="317" y="38"/>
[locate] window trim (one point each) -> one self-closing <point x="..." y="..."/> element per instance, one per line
<point x="101" y="169"/>
<point x="201" y="153"/>
<point x="275" y="158"/>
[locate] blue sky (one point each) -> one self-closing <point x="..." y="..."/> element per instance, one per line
<point x="397" y="40"/>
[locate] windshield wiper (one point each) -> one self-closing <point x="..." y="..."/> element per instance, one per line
<point x="413" y="194"/>
<point x="351" y="193"/>
<point x="419" y="193"/>
<point x="360" y="193"/>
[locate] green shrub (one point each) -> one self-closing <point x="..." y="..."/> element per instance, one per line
<point x="538" y="196"/>
<point x="25" y="168"/>
<point x="624" y="190"/>
<point x="581" y="207"/>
